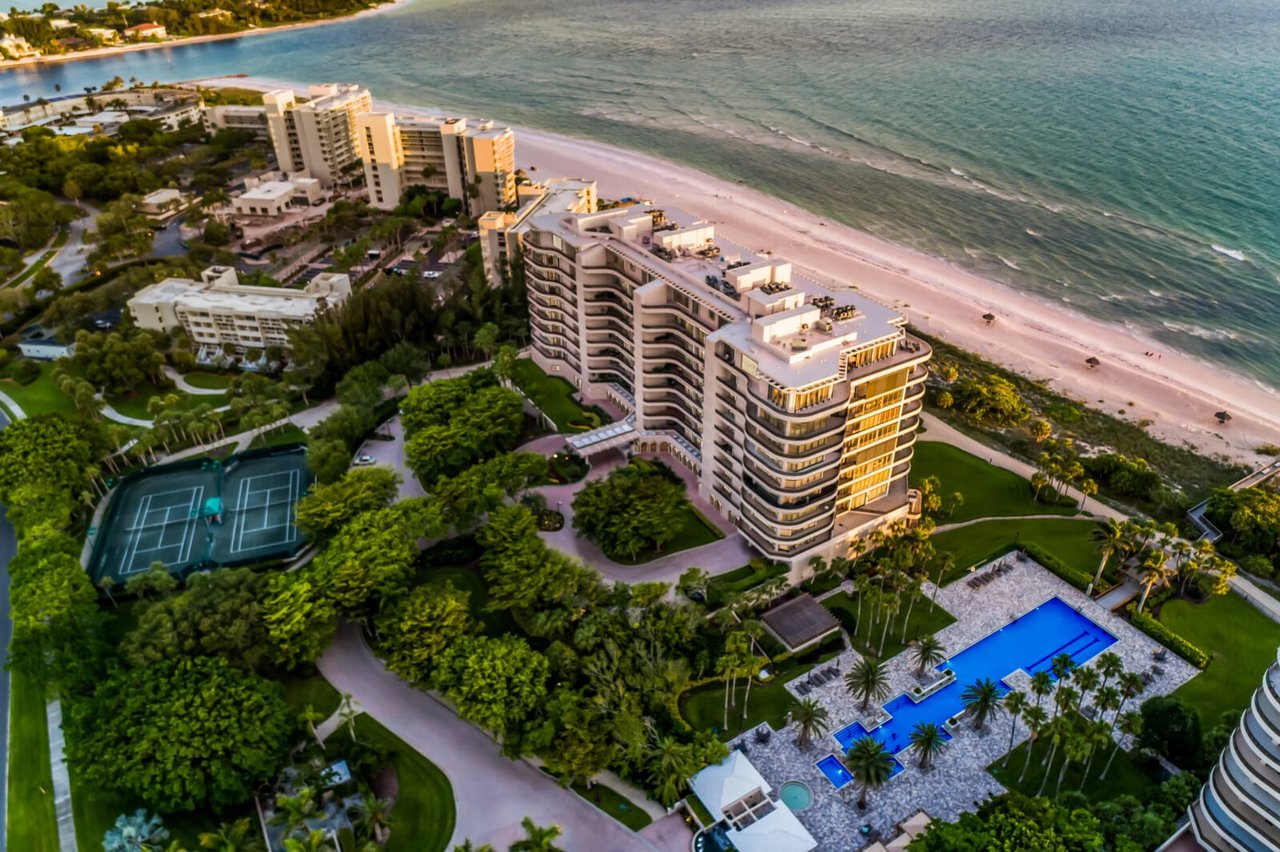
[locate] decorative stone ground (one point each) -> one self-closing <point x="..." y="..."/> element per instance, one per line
<point x="958" y="781"/>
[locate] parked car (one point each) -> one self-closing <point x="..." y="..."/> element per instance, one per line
<point x="364" y="458"/>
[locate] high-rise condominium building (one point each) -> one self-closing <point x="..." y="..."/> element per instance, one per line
<point x="473" y="161"/>
<point x="1239" y="806"/>
<point x="502" y="231"/>
<point x="796" y="404"/>
<point x="316" y="137"/>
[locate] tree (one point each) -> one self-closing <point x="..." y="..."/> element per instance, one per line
<point x="493" y="682"/>
<point x="867" y="681"/>
<point x="1014" y="703"/>
<point x="983" y="701"/>
<point x="299" y="617"/>
<point x="315" y="841"/>
<point x="990" y="401"/>
<point x="1171" y="727"/>
<point x="1154" y="571"/>
<point x="238" y="836"/>
<point x="928" y="651"/>
<point x="1040" y="430"/>
<point x="292" y="812"/>
<point x="135" y="832"/>
<point x="693" y="584"/>
<point x="243" y="730"/>
<point x="1129" y="724"/>
<point x="634" y="510"/>
<point x="871" y="763"/>
<point x="537" y="838"/>
<point x="810" y="718"/>
<point x="1012" y="821"/>
<point x="929" y="741"/>
<point x="328" y="506"/>
<point x="1109" y="536"/>
<point x="371" y="557"/>
<point x="417" y="632"/>
<point x="1036" y="720"/>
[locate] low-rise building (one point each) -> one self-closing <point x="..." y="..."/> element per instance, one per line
<point x="16" y="47"/>
<point x="61" y="24"/>
<point x="237" y="117"/>
<point x="40" y="344"/>
<point x="272" y="197"/>
<point x="142" y="32"/>
<point x="501" y="231"/>
<point x="745" y="814"/>
<point x="218" y="311"/>
<point x="104" y="35"/>
<point x="162" y="203"/>
<point x="172" y="108"/>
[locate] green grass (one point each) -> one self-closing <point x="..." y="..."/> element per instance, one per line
<point x="1125" y="776"/>
<point x="35" y="267"/>
<point x="95" y="809"/>
<point x="615" y="805"/>
<point x="1068" y="539"/>
<point x="989" y="491"/>
<point x="41" y="396"/>
<point x="554" y="396"/>
<point x="703" y="707"/>
<point x="208" y="381"/>
<point x="135" y="404"/>
<point x="925" y="619"/>
<point x="313" y="690"/>
<point x="287" y="434"/>
<point x="424" y="812"/>
<point x="32" y="823"/>
<point x="724" y="586"/>
<point x="1241" y="642"/>
<point x="700" y="811"/>
<point x="470" y="581"/>
<point x="695" y="532"/>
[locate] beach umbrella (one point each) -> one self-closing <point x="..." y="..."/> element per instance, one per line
<point x="1223" y="417"/>
<point x="1092" y="362"/>
<point x="990" y="318"/>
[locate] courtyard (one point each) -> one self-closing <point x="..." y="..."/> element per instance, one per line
<point x="958" y="778"/>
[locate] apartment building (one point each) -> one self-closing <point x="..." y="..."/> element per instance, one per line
<point x="501" y="231"/>
<point x="316" y="137"/>
<point x="237" y="117"/>
<point x="470" y="160"/>
<point x="795" y="403"/>
<point x="217" y="310"/>
<point x="1239" y="807"/>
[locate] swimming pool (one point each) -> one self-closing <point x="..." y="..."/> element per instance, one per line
<point x="796" y="795"/>
<point x="1029" y="642"/>
<point x="835" y="771"/>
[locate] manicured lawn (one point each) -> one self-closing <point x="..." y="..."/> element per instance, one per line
<point x="989" y="491"/>
<point x="615" y="805"/>
<point x="1242" y="643"/>
<point x="703" y="707"/>
<point x="734" y="582"/>
<point x="313" y="690"/>
<point x="286" y="434"/>
<point x="32" y="824"/>
<point x="926" y="618"/>
<point x="554" y="396"/>
<point x="469" y="580"/>
<point x="41" y="396"/>
<point x="424" y="812"/>
<point x="695" y="532"/>
<point x="209" y="381"/>
<point x="1068" y="539"/>
<point x="135" y="404"/>
<point x="1125" y="776"/>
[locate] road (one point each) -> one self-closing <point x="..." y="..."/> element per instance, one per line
<point x="493" y="794"/>
<point x="70" y="260"/>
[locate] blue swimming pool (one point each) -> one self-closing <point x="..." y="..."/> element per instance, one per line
<point x="835" y="771"/>
<point x="1029" y="642"/>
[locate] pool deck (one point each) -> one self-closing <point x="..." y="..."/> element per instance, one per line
<point x="958" y="780"/>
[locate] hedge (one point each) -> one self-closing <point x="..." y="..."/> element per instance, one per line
<point x="1076" y="578"/>
<point x="1167" y="637"/>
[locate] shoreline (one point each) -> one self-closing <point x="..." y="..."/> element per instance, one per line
<point x="1176" y="391"/>
<point x="117" y="49"/>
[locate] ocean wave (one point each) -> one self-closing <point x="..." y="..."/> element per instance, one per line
<point x="1033" y="233"/>
<point x="1200" y="331"/>
<point x="1009" y="263"/>
<point x="958" y="173"/>
<point x="1234" y="254"/>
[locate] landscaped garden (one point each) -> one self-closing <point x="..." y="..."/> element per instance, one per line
<point x="989" y="491"/>
<point x="425" y="810"/>
<point x="1068" y="539"/>
<point x="32" y="824"/>
<point x="922" y="618"/>
<point x="40" y="396"/>
<point x="554" y="396"/>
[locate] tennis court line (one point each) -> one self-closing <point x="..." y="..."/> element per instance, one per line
<point x="184" y="544"/>
<point x="241" y="524"/>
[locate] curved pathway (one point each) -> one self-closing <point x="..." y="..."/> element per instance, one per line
<point x="180" y="381"/>
<point x="493" y="794"/>
<point x="959" y="525"/>
<point x="15" y="410"/>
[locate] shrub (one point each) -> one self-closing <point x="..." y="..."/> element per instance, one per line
<point x="1073" y="576"/>
<point x="1157" y="631"/>
<point x="24" y="371"/>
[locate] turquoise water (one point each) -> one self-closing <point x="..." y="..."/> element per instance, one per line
<point x="795" y="795"/>
<point x="1030" y="643"/>
<point x="1092" y="152"/>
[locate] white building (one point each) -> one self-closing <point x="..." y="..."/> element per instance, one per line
<point x="104" y="35"/>
<point x="737" y="797"/>
<point x="271" y="197"/>
<point x="162" y="202"/>
<point x="501" y="231"/>
<point x="16" y="47"/>
<point x="237" y="117"/>
<point x="142" y="32"/>
<point x="316" y="137"/>
<point x="217" y="310"/>
<point x="41" y="345"/>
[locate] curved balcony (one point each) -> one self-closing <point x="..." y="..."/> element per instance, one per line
<point x="834" y="426"/>
<point x="772" y="514"/>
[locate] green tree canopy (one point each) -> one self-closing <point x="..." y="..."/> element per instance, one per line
<point x="1013" y="822"/>
<point x="300" y="618"/>
<point x="990" y="400"/>
<point x="634" y="510"/>
<point x="329" y="506"/>
<point x="373" y="555"/>
<point x="496" y="683"/>
<point x="418" y="631"/>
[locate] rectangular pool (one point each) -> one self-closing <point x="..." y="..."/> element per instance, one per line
<point x="835" y="771"/>
<point x="1029" y="642"/>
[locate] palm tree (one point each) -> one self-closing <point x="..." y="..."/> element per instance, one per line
<point x="1057" y="728"/>
<point x="1064" y="699"/>
<point x="928" y="651"/>
<point x="1109" y="536"/>
<point x="1035" y="719"/>
<point x="982" y="699"/>
<point x="348" y="713"/>
<point x="810" y="718"/>
<point x="1131" y="685"/>
<point x="670" y="763"/>
<point x="238" y="836"/>
<point x="1129" y="724"/>
<point x="914" y="585"/>
<point x="1110" y="665"/>
<point x="871" y="764"/>
<point x="1106" y="698"/>
<point x="375" y="816"/>
<point x="1075" y="747"/>
<point x="1087" y="680"/>
<point x="1041" y="685"/>
<point x="316" y="841"/>
<point x="929" y="741"/>
<point x="1062" y="667"/>
<point x="1015" y="703"/>
<point x="468" y="846"/>
<point x="537" y="838"/>
<point x="1097" y="735"/>
<point x="291" y="812"/>
<point x="1154" y="572"/>
<point x="867" y="680"/>
<point x="309" y="716"/>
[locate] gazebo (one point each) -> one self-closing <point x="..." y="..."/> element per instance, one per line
<point x="800" y="622"/>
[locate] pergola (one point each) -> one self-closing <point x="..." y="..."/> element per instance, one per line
<point x="800" y="622"/>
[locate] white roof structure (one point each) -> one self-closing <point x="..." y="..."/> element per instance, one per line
<point x="735" y="791"/>
<point x="726" y="782"/>
<point x="779" y="831"/>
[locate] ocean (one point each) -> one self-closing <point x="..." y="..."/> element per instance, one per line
<point x="1120" y="157"/>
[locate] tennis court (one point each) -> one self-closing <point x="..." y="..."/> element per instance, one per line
<point x="203" y="513"/>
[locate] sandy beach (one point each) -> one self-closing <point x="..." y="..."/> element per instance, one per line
<point x="114" y="50"/>
<point x="1176" y="392"/>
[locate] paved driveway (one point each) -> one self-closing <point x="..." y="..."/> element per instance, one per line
<point x="493" y="794"/>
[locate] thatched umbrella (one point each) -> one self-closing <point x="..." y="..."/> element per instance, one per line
<point x="1223" y="418"/>
<point x="990" y="318"/>
<point x="1092" y="362"/>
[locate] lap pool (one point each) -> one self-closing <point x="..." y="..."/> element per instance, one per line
<point x="1030" y="643"/>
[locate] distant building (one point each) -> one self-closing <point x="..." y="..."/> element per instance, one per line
<point x="42" y="345"/>
<point x="16" y="47"/>
<point x="162" y="202"/>
<point x="143" y="32"/>
<point x="737" y="797"/>
<point x="270" y="197"/>
<point x="61" y="24"/>
<point x="500" y="231"/>
<point x="237" y="117"/>
<point x="217" y="310"/>
<point x="316" y="138"/>
<point x="214" y="13"/>
<point x="172" y="108"/>
<point x="104" y="35"/>
<point x="472" y="161"/>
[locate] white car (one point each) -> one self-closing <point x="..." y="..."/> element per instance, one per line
<point x="364" y="459"/>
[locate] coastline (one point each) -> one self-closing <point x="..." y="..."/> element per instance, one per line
<point x="1177" y="392"/>
<point x="117" y="49"/>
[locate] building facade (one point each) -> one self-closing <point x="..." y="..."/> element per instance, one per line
<point x="470" y="160"/>
<point x="795" y="404"/>
<point x="217" y="311"/>
<point x="1239" y="807"/>
<point x="501" y="232"/>
<point x="316" y="137"/>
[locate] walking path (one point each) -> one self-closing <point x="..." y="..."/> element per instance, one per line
<point x="1120" y="595"/>
<point x="111" y="414"/>
<point x="183" y="385"/>
<point x="15" y="410"/>
<point x="962" y="524"/>
<point x="61" y="780"/>
<point x="493" y="794"/>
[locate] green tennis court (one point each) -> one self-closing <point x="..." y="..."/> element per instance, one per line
<point x="203" y="513"/>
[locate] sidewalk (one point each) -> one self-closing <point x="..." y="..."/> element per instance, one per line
<point x="61" y="780"/>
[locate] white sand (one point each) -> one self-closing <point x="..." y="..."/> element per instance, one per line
<point x="1177" y="393"/>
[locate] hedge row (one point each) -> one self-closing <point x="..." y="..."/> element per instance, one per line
<point x="1167" y="637"/>
<point x="1073" y="576"/>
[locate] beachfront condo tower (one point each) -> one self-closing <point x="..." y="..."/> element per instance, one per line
<point x="316" y="137"/>
<point x="794" y="403"/>
<point x="1239" y="806"/>
<point x="471" y="160"/>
